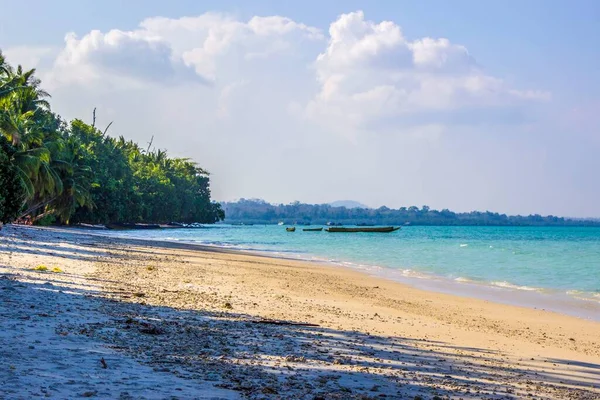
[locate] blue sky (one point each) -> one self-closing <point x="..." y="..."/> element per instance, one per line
<point x="514" y="130"/>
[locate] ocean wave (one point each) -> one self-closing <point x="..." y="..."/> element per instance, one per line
<point x="508" y="285"/>
<point x="499" y="284"/>
<point x="464" y="280"/>
<point x="464" y="245"/>
<point x="582" y="295"/>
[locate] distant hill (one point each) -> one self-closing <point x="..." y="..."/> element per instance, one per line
<point x="347" y="204"/>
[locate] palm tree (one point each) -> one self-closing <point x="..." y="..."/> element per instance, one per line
<point x="75" y="177"/>
<point x="24" y="111"/>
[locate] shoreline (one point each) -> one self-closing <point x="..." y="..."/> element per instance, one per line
<point x="196" y="314"/>
<point x="551" y="300"/>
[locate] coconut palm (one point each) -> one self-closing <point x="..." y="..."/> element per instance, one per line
<point x="24" y="111"/>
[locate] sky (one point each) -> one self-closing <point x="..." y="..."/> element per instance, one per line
<point x="465" y="105"/>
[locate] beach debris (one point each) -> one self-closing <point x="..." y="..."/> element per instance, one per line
<point x="57" y="270"/>
<point x="269" y="390"/>
<point x="150" y="329"/>
<point x="294" y="358"/>
<point x="227" y="306"/>
<point x="41" y="268"/>
<point x="276" y="322"/>
<point x="139" y="294"/>
<point x="103" y="362"/>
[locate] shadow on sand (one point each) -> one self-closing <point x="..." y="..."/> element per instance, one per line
<point x="261" y="360"/>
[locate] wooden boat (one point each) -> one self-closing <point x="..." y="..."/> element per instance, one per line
<point x="312" y="229"/>
<point x="292" y="229"/>
<point x="129" y="225"/>
<point x="363" y="229"/>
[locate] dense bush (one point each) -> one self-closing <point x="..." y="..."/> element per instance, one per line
<point x="11" y="193"/>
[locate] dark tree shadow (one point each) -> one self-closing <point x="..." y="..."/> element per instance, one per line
<point x="270" y="361"/>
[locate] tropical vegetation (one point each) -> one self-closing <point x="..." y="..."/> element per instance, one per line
<point x="53" y="171"/>
<point x="257" y="211"/>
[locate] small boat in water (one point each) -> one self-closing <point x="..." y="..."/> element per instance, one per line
<point x="312" y="229"/>
<point x="292" y="229"/>
<point x="363" y="229"/>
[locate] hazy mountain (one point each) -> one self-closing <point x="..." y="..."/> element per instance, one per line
<point x="347" y="204"/>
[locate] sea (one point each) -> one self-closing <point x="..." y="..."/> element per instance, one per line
<point x="551" y="268"/>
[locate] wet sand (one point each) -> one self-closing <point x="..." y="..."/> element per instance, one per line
<point x="206" y="318"/>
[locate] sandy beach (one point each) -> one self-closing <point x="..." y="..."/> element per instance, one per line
<point x="132" y="319"/>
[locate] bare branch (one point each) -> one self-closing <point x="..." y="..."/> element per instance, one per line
<point x="150" y="144"/>
<point x="104" y="133"/>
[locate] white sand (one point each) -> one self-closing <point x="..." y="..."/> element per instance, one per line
<point x="180" y="324"/>
<point x="42" y="356"/>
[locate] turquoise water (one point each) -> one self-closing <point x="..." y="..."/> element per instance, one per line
<point x="554" y="261"/>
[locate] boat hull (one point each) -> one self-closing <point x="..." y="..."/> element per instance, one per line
<point x="384" y="229"/>
<point x="312" y="229"/>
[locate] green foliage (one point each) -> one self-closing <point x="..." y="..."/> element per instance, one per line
<point x="133" y="185"/>
<point x="75" y="173"/>
<point x="261" y="212"/>
<point x="46" y="220"/>
<point x="11" y="191"/>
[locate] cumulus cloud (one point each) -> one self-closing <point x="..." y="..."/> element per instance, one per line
<point x="366" y="72"/>
<point x="133" y="56"/>
<point x="371" y="72"/>
<point x="260" y="37"/>
<point x="183" y="49"/>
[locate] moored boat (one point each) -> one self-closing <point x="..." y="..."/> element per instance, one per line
<point x="382" y="229"/>
<point x="292" y="229"/>
<point x="129" y="225"/>
<point x="312" y="229"/>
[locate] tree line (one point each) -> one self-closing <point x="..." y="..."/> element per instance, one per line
<point x="256" y="211"/>
<point x="52" y="171"/>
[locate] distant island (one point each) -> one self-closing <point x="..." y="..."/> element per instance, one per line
<point x="258" y="211"/>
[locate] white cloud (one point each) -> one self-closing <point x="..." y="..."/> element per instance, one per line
<point x="204" y="40"/>
<point x="276" y="25"/>
<point x="367" y="72"/>
<point x="370" y="71"/>
<point x="174" y="50"/>
<point x="136" y="57"/>
<point x="439" y="54"/>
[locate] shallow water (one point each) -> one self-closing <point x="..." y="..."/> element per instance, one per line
<point x="560" y="265"/>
